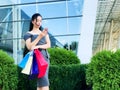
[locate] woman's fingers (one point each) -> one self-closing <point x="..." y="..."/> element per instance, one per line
<point x="44" y="32"/>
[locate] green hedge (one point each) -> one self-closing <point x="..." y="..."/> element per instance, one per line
<point x="59" y="56"/>
<point x="70" y="77"/>
<point x="8" y="72"/>
<point x="25" y="82"/>
<point x="103" y="72"/>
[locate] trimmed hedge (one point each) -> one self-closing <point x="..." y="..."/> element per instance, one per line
<point x="8" y="72"/>
<point x="67" y="77"/>
<point x="70" y="77"/>
<point x="59" y="56"/>
<point x="24" y="81"/>
<point x="103" y="72"/>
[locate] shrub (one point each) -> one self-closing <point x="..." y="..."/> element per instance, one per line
<point x="8" y="72"/>
<point x="67" y="77"/>
<point x="24" y="79"/>
<point x="59" y="56"/>
<point x="103" y="71"/>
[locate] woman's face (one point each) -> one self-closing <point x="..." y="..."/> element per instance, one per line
<point x="37" y="22"/>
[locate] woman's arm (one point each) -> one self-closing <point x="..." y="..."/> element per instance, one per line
<point x="44" y="46"/>
<point x="30" y="45"/>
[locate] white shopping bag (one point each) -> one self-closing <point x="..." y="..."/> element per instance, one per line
<point x="28" y="65"/>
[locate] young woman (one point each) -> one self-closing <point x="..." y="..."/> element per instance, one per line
<point x="39" y="39"/>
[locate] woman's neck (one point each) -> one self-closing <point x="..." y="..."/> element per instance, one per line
<point x="34" y="28"/>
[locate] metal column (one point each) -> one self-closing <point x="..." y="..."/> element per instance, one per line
<point x="15" y="33"/>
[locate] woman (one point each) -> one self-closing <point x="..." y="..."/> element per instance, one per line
<point x="37" y="39"/>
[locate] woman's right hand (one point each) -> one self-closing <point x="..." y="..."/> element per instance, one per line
<point x="44" y="32"/>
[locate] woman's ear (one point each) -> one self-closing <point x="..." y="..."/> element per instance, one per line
<point x="32" y="22"/>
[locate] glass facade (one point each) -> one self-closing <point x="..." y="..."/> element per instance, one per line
<point x="62" y="17"/>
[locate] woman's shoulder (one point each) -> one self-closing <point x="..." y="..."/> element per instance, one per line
<point x="29" y="32"/>
<point x="27" y="35"/>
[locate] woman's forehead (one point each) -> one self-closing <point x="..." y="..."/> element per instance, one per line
<point x="39" y="18"/>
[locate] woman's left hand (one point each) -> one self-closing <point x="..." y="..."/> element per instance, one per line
<point x="34" y="47"/>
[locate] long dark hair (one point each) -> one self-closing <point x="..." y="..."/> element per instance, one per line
<point x="34" y="16"/>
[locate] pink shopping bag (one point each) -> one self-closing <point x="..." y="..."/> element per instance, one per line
<point x="41" y="62"/>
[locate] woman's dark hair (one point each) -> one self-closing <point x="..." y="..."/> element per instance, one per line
<point x="34" y="16"/>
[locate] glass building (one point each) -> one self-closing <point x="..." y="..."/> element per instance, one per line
<point x="62" y="17"/>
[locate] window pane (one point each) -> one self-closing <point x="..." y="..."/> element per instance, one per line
<point x="56" y="26"/>
<point x="27" y="1"/>
<point x="74" y="25"/>
<point x="47" y="10"/>
<point x="69" y="42"/>
<point x="5" y="2"/>
<point x="75" y="7"/>
<point x="6" y="14"/>
<point x="6" y="30"/>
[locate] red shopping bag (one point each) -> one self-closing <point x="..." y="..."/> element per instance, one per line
<point x="41" y="62"/>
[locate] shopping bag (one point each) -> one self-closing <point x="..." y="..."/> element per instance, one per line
<point x="42" y="63"/>
<point x="34" y="69"/>
<point x="27" y="68"/>
<point x="24" y="60"/>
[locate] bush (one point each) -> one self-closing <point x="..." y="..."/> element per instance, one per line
<point x="8" y="72"/>
<point x="59" y="56"/>
<point x="25" y="79"/>
<point x="67" y="77"/>
<point x="103" y="71"/>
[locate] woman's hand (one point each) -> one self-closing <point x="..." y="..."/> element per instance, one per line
<point x="33" y="47"/>
<point x="44" y="32"/>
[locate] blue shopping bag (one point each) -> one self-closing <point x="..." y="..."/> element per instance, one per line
<point x="34" y="69"/>
<point x="25" y="59"/>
